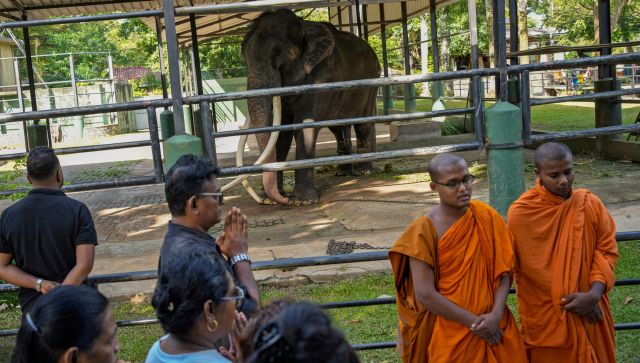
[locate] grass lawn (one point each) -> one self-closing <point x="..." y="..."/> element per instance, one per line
<point x="361" y="325"/>
<point x="551" y="117"/>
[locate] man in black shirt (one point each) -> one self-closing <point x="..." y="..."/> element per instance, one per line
<point x="51" y="236"/>
<point x="194" y="199"/>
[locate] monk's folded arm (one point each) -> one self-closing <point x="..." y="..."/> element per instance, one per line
<point x="427" y="295"/>
<point x="500" y="298"/>
<point x="606" y="251"/>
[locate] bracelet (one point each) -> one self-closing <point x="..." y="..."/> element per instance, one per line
<point x="239" y="258"/>
<point x="39" y="285"/>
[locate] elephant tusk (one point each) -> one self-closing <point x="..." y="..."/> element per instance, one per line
<point x="273" y="138"/>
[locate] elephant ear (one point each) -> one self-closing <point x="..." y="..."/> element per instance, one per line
<point x="319" y="43"/>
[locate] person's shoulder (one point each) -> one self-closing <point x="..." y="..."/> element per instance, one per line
<point x="485" y="208"/>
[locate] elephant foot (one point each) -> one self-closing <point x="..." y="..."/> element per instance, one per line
<point x="364" y="168"/>
<point x="344" y="169"/>
<point x="306" y="198"/>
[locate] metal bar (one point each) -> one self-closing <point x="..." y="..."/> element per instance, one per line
<point x="345" y="122"/>
<point x="163" y="71"/>
<point x="628" y="236"/>
<point x="502" y="49"/>
<point x="358" y="303"/>
<point x="365" y="23"/>
<point x="16" y="70"/>
<point x="117" y="183"/>
<point x="600" y="131"/>
<point x="347" y="159"/>
<point x="514" y="41"/>
<point x="350" y="12"/>
<point x="358" y="20"/>
<point x="627" y="326"/>
<point x="604" y="35"/>
<point x="592" y="96"/>
<point x="30" y="76"/>
<point x="74" y="87"/>
<point x="405" y="39"/>
<point x="386" y="91"/>
<point x="340" y="17"/>
<point x="174" y="66"/>
<point x="525" y="105"/>
<point x="209" y="139"/>
<point x="81" y="149"/>
<point x="580" y="62"/>
<point x="371" y="346"/>
<point x="81" y="19"/>
<point x="334" y="86"/>
<point x="435" y="50"/>
<point x="196" y="54"/>
<point x="112" y="81"/>
<point x="84" y="110"/>
<point x="627" y="282"/>
<point x="155" y="145"/>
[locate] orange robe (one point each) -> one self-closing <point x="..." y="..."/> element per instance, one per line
<point x="562" y="247"/>
<point x="469" y="260"/>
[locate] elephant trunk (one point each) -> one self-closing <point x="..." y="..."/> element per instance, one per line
<point x="261" y="113"/>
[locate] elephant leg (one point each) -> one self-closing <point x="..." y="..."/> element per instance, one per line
<point x="306" y="149"/>
<point x="365" y="145"/>
<point x="343" y="139"/>
<point x="282" y="150"/>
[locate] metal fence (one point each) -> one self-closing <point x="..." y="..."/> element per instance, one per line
<point x="306" y="262"/>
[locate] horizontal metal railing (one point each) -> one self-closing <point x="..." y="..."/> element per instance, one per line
<point x="306" y="262"/>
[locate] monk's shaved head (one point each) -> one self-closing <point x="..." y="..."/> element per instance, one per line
<point x="442" y="161"/>
<point x="552" y="151"/>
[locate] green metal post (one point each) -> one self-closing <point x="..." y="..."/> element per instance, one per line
<point x="505" y="156"/>
<point x="410" y="97"/>
<point x="166" y="124"/>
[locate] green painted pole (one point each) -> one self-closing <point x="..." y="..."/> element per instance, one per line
<point x="409" y="97"/>
<point x="503" y="126"/>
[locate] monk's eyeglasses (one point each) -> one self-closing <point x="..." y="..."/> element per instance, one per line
<point x="219" y="196"/>
<point x="454" y="184"/>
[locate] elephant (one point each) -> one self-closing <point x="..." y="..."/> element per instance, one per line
<point x="281" y="49"/>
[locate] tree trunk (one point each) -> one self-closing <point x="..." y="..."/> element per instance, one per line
<point x="523" y="30"/>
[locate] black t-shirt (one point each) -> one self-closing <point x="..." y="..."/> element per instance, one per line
<point x="181" y="241"/>
<point x="42" y="231"/>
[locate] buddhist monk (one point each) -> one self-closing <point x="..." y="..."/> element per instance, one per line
<point x="566" y="252"/>
<point x="452" y="271"/>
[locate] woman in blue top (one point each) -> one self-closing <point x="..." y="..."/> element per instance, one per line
<point x="196" y="301"/>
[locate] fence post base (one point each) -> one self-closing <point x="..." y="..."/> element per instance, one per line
<point x="37" y="135"/>
<point x="505" y="156"/>
<point x="409" y="97"/>
<point x="167" y="127"/>
<point x="179" y="145"/>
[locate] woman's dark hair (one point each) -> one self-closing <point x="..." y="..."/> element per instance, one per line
<point x="67" y="316"/>
<point x="186" y="282"/>
<point x="265" y="315"/>
<point x="301" y="333"/>
<point x="42" y="163"/>
<point x="185" y="179"/>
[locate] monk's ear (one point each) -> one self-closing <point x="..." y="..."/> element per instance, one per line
<point x="537" y="172"/>
<point x="433" y="186"/>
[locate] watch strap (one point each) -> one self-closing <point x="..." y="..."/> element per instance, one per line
<point x="239" y="258"/>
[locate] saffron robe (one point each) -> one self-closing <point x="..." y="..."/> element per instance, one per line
<point x="468" y="260"/>
<point x="562" y="247"/>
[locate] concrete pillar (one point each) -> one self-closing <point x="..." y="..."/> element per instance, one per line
<point x="505" y="157"/>
<point x="179" y="145"/>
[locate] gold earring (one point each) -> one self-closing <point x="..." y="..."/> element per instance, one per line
<point x="209" y="328"/>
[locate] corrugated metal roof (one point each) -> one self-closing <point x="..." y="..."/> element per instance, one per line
<point x="209" y="25"/>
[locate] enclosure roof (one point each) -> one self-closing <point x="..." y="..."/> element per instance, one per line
<point x="210" y="25"/>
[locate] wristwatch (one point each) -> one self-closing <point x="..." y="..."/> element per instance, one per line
<point x="39" y="285"/>
<point x="239" y="258"/>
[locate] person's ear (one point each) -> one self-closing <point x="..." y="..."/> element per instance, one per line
<point x="209" y="309"/>
<point x="537" y="172"/>
<point x="433" y="186"/>
<point x="192" y="204"/>
<point x="59" y="176"/>
<point x="29" y="179"/>
<point x="69" y="356"/>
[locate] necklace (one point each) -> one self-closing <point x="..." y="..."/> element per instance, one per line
<point x="200" y="346"/>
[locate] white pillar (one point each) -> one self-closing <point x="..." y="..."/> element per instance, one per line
<point x="424" y="51"/>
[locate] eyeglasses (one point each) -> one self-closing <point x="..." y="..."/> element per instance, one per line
<point x="219" y="196"/>
<point x="454" y="184"/>
<point x="238" y="297"/>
